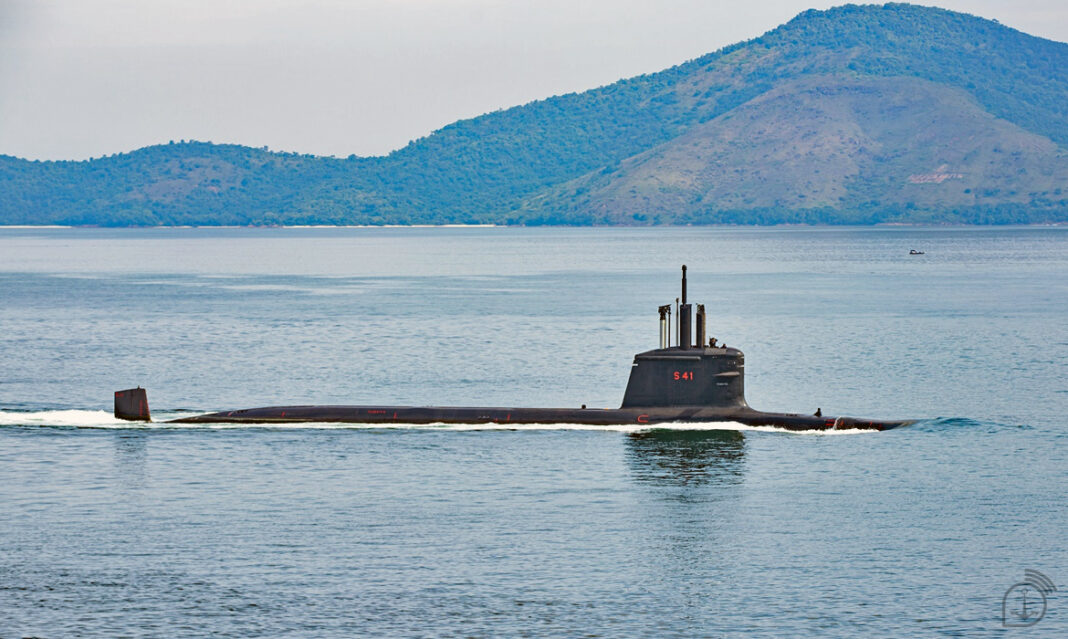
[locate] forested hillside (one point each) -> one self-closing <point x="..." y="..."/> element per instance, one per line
<point x="858" y="114"/>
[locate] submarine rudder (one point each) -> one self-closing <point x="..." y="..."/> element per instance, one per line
<point x="132" y="405"/>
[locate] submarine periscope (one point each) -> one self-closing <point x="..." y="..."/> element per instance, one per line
<point x="693" y="381"/>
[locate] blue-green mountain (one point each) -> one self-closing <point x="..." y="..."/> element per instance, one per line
<point x="854" y="115"/>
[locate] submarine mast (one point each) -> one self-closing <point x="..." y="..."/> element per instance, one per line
<point x="685" y="316"/>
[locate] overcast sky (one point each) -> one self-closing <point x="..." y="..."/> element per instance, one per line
<point x="84" y="78"/>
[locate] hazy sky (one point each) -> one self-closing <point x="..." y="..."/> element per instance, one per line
<point x="83" y="78"/>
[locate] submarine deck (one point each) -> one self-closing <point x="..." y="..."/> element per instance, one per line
<point x="504" y="415"/>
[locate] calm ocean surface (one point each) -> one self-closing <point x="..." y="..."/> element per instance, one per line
<point x="113" y="530"/>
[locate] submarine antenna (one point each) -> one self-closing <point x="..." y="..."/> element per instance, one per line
<point x="668" y="325"/>
<point x="685" y="317"/>
<point x="701" y="339"/>
<point x="665" y="336"/>
<point x="678" y="318"/>
<point x="683" y="283"/>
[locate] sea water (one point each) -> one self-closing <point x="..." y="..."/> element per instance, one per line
<point x="112" y="529"/>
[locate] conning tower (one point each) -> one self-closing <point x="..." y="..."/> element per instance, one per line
<point x="692" y="373"/>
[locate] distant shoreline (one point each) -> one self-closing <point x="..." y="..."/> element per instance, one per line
<point x="35" y="226"/>
<point x="272" y="226"/>
<point x="886" y="225"/>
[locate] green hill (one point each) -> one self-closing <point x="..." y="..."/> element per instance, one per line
<point x="831" y="150"/>
<point x="858" y="114"/>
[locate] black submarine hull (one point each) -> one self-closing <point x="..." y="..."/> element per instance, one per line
<point x="519" y="416"/>
<point x="692" y="382"/>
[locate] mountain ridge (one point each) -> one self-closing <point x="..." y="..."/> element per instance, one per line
<point x="526" y="164"/>
<point x="964" y="150"/>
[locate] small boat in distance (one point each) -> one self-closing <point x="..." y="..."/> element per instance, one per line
<point x="690" y="382"/>
<point x="915" y="252"/>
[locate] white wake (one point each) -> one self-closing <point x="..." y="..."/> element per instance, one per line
<point x="104" y="419"/>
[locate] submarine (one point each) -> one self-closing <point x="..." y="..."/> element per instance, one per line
<point x="693" y="381"/>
